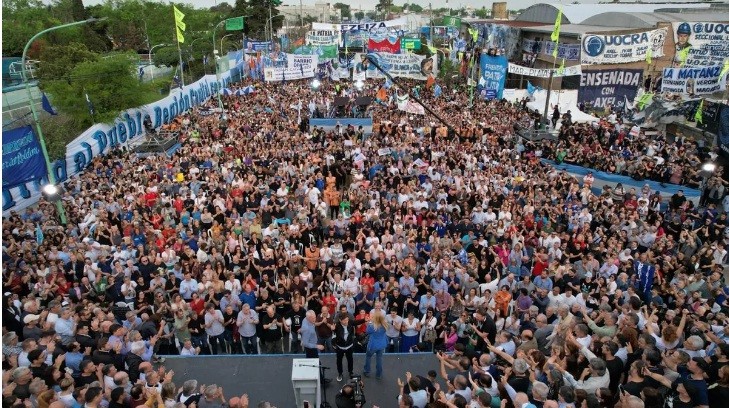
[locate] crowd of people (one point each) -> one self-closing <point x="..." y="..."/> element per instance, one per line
<point x="263" y="234"/>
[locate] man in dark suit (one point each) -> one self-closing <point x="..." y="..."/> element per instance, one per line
<point x="644" y="274"/>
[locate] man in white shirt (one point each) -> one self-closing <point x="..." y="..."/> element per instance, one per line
<point x="351" y="285"/>
<point x="187" y="287"/>
<point x="353" y="265"/>
<point x="214" y="327"/>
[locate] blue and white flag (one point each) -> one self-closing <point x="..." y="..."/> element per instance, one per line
<point x="205" y="59"/>
<point x="388" y="83"/>
<point x="437" y="91"/>
<point x="39" y="237"/>
<point x="47" y="105"/>
<point x="141" y="72"/>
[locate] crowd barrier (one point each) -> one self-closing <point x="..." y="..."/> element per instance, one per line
<point x="602" y="178"/>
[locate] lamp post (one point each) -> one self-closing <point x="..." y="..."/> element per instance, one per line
<point x="150" y="54"/>
<point x="221" y="43"/>
<point x="36" y="120"/>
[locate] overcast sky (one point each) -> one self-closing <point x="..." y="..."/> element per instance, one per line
<point x="370" y="4"/>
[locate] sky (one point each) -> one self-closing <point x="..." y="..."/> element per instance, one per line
<point x="370" y="4"/>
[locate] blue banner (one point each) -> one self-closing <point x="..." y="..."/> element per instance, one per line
<point x="256" y="46"/>
<point x="493" y="75"/>
<point x="609" y="87"/>
<point x="22" y="157"/>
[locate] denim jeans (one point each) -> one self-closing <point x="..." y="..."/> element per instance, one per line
<point x="378" y="362"/>
<point x="327" y="343"/>
<point x="201" y="341"/>
<point x="393" y="344"/>
<point x="250" y="344"/>
<point x="217" y="341"/>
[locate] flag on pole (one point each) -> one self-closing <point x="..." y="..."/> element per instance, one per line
<point x="179" y="24"/>
<point x="644" y="100"/>
<point x="90" y="104"/>
<point x="628" y="105"/>
<point x="474" y="33"/>
<point x="560" y="70"/>
<point x="699" y="116"/>
<point x="47" y="105"/>
<point x="649" y="55"/>
<point x="555" y="32"/>
<point x="388" y="83"/>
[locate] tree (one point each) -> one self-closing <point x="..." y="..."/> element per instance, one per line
<point x="359" y="15"/>
<point x="384" y="6"/>
<point x="344" y="9"/>
<point x="259" y="10"/>
<point x="413" y="8"/>
<point x="111" y="84"/>
<point x="57" y="62"/>
<point x="483" y="13"/>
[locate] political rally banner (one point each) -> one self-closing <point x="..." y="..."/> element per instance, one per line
<point x="23" y="159"/>
<point x="322" y="37"/>
<point x="693" y="81"/>
<point x="324" y="52"/>
<point x="398" y="65"/>
<point x="707" y="43"/>
<point x="622" y="48"/>
<point x="257" y="46"/>
<point x="356" y="35"/>
<point x="544" y="72"/>
<point x="499" y="36"/>
<point x="568" y="52"/>
<point x="600" y="88"/>
<point x="296" y="67"/>
<point x="493" y="75"/>
<point x="438" y="32"/>
<point x="127" y="131"/>
<point x="384" y="45"/>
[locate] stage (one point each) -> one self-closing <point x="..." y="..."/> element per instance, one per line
<point x="268" y="377"/>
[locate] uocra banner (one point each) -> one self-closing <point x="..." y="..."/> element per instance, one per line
<point x="604" y="87"/>
<point x="544" y="73"/>
<point x="692" y="81"/>
<point x="296" y="67"/>
<point x="622" y="48"/>
<point x="708" y="43"/>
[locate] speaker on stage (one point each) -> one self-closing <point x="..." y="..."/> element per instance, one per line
<point x="305" y="380"/>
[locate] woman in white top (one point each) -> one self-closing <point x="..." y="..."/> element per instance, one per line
<point x="426" y="321"/>
<point x="410" y="333"/>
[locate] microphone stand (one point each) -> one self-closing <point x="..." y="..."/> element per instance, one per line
<point x="323" y="380"/>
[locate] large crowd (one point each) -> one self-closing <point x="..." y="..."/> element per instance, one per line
<point x="531" y="287"/>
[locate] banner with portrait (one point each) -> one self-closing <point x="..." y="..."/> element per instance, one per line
<point x="622" y="48"/>
<point x="356" y="35"/>
<point x="398" y="65"/>
<point x="322" y="37"/>
<point x="693" y="81"/>
<point x="568" y="52"/>
<point x="707" y="43"/>
<point x="493" y="76"/>
<point x="499" y="36"/>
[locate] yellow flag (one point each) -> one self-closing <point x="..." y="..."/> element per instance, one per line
<point x="557" y="26"/>
<point x="180" y="25"/>
<point x="699" y="115"/>
<point x="560" y="71"/>
<point x="474" y="33"/>
<point x="649" y="55"/>
<point x="556" y="49"/>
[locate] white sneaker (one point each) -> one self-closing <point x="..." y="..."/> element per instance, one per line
<point x="339" y="378"/>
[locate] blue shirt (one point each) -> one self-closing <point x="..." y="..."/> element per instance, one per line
<point x="308" y="334"/>
<point x="249" y="298"/>
<point x="378" y="338"/>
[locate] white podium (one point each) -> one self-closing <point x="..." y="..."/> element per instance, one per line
<point x="305" y="380"/>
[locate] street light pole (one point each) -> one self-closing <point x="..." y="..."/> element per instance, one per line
<point x="36" y="119"/>
<point x="150" y="55"/>
<point x="221" y="43"/>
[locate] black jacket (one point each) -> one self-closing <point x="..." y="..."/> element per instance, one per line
<point x="339" y="340"/>
<point x="133" y="361"/>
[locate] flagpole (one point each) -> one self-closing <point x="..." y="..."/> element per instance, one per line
<point x="179" y="50"/>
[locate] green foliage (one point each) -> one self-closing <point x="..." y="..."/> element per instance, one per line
<point x="258" y="12"/>
<point x="345" y="9"/>
<point x="446" y="70"/>
<point x="111" y="84"/>
<point x="483" y="13"/>
<point x="359" y="15"/>
<point x="413" y="8"/>
<point x="57" y="62"/>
